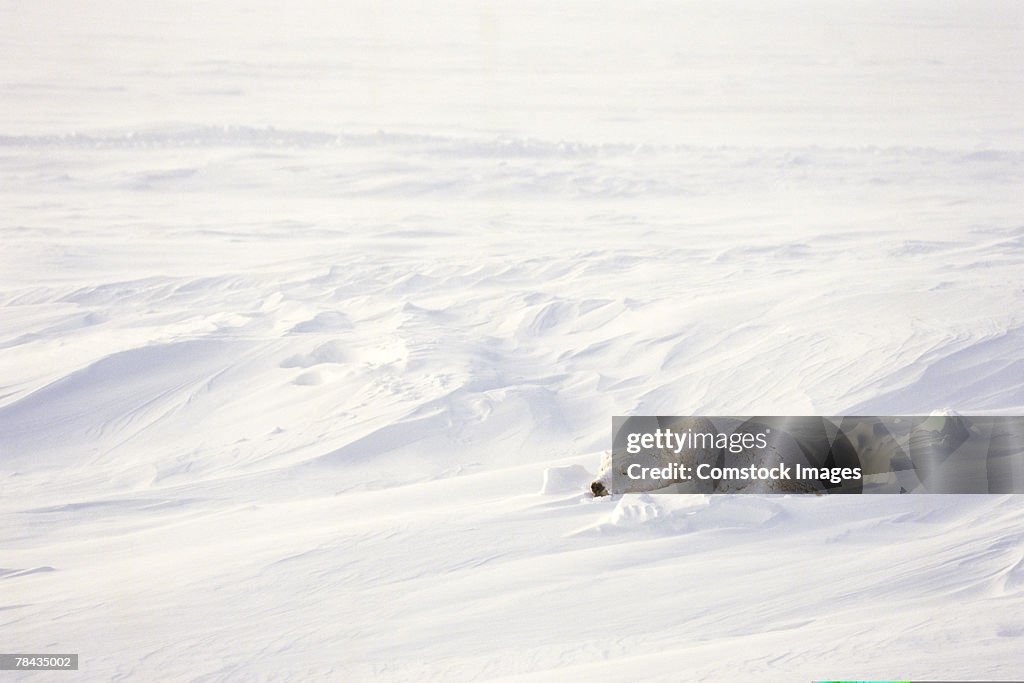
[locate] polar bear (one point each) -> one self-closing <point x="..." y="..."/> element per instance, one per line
<point x="762" y="442"/>
<point x="613" y="478"/>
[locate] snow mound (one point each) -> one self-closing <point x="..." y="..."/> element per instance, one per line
<point x="565" y="479"/>
<point x="672" y="515"/>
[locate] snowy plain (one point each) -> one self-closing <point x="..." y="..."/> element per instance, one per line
<point x="313" y="318"/>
